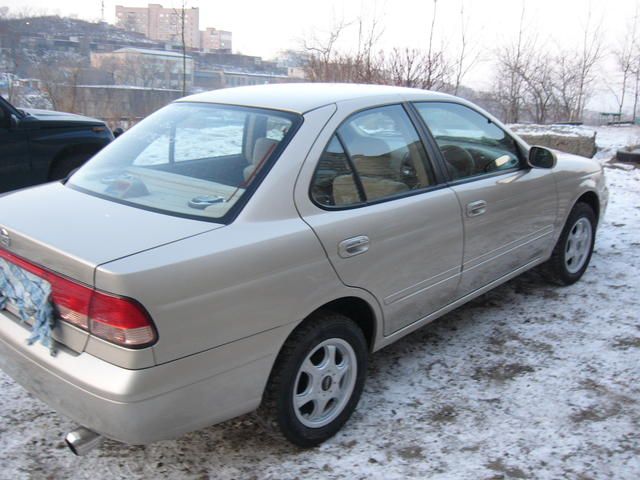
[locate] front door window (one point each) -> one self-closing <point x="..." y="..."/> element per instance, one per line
<point x="470" y="143"/>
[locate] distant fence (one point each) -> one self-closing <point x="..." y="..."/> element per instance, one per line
<point x="119" y="106"/>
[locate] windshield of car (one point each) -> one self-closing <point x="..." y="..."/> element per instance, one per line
<point x="190" y="159"/>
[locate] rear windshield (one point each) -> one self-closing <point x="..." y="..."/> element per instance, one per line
<point x="189" y="159"/>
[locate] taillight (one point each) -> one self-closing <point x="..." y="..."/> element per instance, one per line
<point x="119" y="320"/>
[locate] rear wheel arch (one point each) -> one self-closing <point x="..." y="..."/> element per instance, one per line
<point x="359" y="311"/>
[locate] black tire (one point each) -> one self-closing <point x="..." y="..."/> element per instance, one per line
<point x="631" y="156"/>
<point x="556" y="269"/>
<point x="277" y="411"/>
<point x="64" y="166"/>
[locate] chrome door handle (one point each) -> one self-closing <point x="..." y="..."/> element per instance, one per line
<point x="476" y="208"/>
<point x="353" y="246"/>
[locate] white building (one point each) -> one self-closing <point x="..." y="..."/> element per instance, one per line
<point x="145" y="68"/>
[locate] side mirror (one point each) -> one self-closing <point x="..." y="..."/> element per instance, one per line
<point x="117" y="132"/>
<point x="13" y="121"/>
<point x="541" y="157"/>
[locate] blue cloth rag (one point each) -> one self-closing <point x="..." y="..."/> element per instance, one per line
<point x="31" y="295"/>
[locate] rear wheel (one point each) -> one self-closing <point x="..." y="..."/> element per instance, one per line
<point x="316" y="381"/>
<point x="572" y="253"/>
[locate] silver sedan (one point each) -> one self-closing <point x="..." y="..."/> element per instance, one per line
<point x="247" y="249"/>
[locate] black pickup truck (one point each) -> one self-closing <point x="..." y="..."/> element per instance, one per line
<point x="38" y="146"/>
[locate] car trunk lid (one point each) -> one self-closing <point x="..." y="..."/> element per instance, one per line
<point x="71" y="232"/>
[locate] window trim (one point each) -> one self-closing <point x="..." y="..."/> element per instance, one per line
<point x="440" y="158"/>
<point x="431" y="166"/>
<point x="430" y="144"/>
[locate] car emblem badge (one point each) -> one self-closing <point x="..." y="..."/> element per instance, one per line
<point x="5" y="239"/>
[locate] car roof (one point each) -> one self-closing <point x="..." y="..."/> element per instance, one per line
<point x="304" y="97"/>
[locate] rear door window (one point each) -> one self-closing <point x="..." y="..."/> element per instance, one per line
<point x="334" y="184"/>
<point x="383" y="149"/>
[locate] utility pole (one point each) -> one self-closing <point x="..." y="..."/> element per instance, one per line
<point x="181" y="14"/>
<point x="184" y="54"/>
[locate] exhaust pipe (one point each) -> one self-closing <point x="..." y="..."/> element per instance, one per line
<point x="82" y="440"/>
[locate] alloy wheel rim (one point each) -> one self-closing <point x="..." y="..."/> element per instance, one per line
<point x="578" y="245"/>
<point x="324" y="383"/>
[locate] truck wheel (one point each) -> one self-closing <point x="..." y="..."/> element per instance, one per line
<point x="632" y="156"/>
<point x="64" y="166"/>
<point x="316" y="381"/>
<point x="571" y="255"/>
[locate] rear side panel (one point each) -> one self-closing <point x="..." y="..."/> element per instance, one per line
<point x="224" y="285"/>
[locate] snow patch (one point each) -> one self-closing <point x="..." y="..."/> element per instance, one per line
<point x="528" y="381"/>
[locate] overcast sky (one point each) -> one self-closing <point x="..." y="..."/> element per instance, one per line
<point x="266" y="27"/>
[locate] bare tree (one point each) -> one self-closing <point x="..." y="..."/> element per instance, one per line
<point x="61" y="85"/>
<point x="538" y="77"/>
<point x="574" y="72"/>
<point x="405" y="67"/>
<point x="410" y="67"/>
<point x="588" y="57"/>
<point x="325" y="62"/>
<point x="368" y="64"/>
<point x="467" y="56"/>
<point x="565" y="86"/>
<point x="513" y="63"/>
<point x="321" y="54"/>
<point x="636" y="90"/>
<point x="626" y="55"/>
<point x="436" y="67"/>
<point x="143" y="72"/>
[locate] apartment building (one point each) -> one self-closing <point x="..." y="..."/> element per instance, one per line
<point x="159" y="23"/>
<point x="165" y="24"/>
<point x="214" y="39"/>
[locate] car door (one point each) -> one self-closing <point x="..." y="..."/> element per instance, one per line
<point x="15" y="167"/>
<point x="509" y="208"/>
<point x="386" y="224"/>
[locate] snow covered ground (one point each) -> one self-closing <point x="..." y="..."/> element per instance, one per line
<point x="610" y="139"/>
<point x="568" y="130"/>
<point x="527" y="381"/>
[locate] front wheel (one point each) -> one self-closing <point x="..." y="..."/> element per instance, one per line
<point x="572" y="253"/>
<point x="316" y="381"/>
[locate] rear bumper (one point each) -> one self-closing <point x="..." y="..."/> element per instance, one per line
<point x="142" y="406"/>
